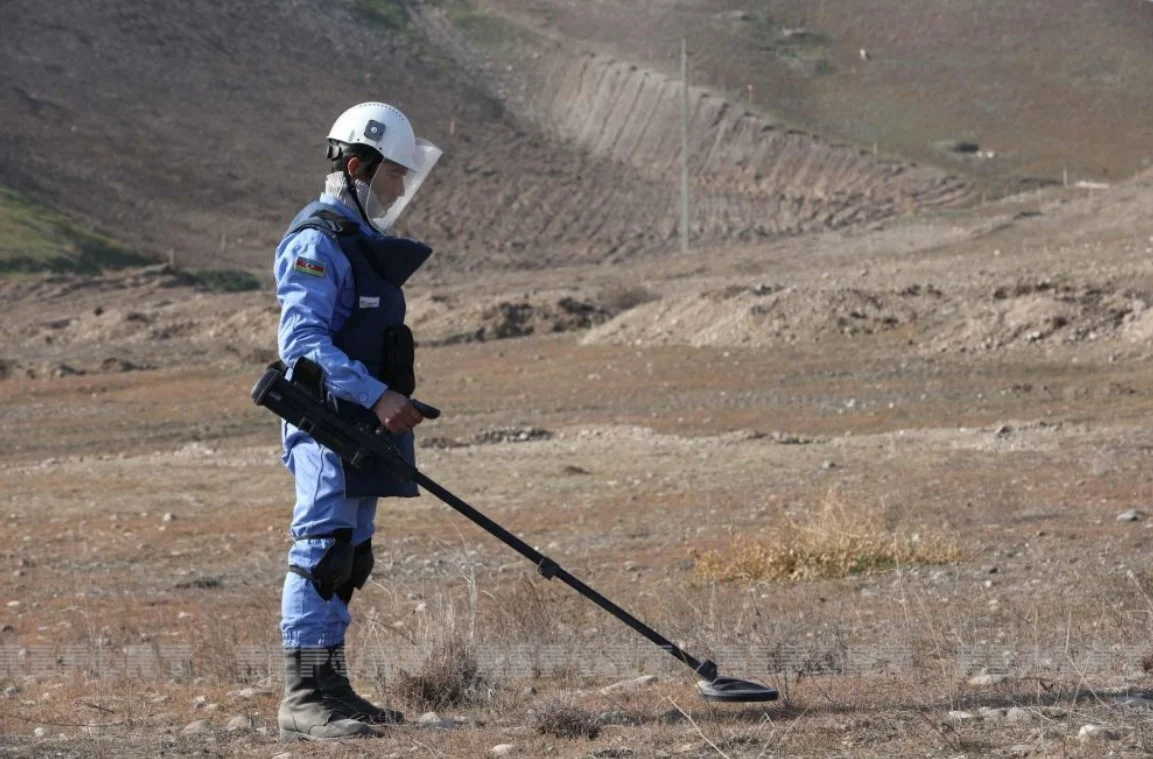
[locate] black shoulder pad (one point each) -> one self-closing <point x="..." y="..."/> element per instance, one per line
<point x="330" y="223"/>
<point x="336" y="223"/>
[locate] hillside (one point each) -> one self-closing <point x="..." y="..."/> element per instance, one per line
<point x="1043" y="86"/>
<point x="186" y="135"/>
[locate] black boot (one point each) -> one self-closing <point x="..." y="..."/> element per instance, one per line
<point x="333" y="680"/>
<point x="305" y="714"/>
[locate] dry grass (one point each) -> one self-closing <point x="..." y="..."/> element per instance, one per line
<point x="562" y="717"/>
<point x="450" y="676"/>
<point x="838" y="541"/>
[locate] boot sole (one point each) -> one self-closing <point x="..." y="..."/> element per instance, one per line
<point x="292" y="736"/>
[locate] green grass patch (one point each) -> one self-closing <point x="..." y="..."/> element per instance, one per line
<point x="225" y="280"/>
<point x="35" y="239"/>
<point x="388" y="13"/>
<point x="803" y="49"/>
<point x="486" y="30"/>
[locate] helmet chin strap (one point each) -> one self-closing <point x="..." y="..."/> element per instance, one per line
<point x="351" y="187"/>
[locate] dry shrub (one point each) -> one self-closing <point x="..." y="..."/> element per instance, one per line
<point x="835" y="542"/>
<point x="450" y="676"/>
<point x="561" y="717"/>
<point x="623" y="297"/>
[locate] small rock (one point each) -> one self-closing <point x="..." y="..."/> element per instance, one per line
<point x="991" y="714"/>
<point x="503" y="749"/>
<point x="1132" y="515"/>
<point x="243" y="693"/>
<point x="11" y="691"/>
<point x="199" y="702"/>
<point x="434" y="721"/>
<point x="616" y="717"/>
<point x="1017" y="714"/>
<point x="529" y="691"/>
<point x="168" y="517"/>
<point x="39" y="732"/>
<point x="829" y="465"/>
<point x="627" y="685"/>
<point x="986" y="679"/>
<point x="13" y="604"/>
<point x="989" y="569"/>
<point x="1096" y="733"/>
<point x="956" y="716"/>
<point x="239" y="722"/>
<point x="199" y="726"/>
<point x="7" y="629"/>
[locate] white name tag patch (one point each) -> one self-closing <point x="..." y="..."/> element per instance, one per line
<point x="370" y="302"/>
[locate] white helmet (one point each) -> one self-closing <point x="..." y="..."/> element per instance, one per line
<point x="385" y="129"/>
<point x="379" y="126"/>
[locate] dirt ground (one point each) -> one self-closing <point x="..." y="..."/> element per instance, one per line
<point x="981" y="379"/>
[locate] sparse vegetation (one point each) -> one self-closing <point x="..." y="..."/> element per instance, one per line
<point x="838" y="541"/>
<point x="388" y="13"/>
<point x="800" y="47"/>
<point x="225" y="280"/>
<point x="490" y="31"/>
<point x="450" y="676"/>
<point x="562" y="717"/>
<point x="36" y="239"/>
<point x="624" y="297"/>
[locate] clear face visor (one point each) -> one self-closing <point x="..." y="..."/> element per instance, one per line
<point x="389" y="194"/>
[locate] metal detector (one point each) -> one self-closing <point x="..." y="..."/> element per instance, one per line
<point x="300" y="402"/>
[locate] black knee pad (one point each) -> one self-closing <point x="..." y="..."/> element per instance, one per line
<point x="334" y="568"/>
<point x="362" y="562"/>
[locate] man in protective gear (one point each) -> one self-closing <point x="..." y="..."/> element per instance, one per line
<point x="338" y="280"/>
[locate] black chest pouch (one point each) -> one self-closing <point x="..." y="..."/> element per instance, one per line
<point x="398" y="354"/>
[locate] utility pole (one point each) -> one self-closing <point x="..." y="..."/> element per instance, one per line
<point x="684" y="147"/>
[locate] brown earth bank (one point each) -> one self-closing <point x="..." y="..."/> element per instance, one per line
<point x="128" y="86"/>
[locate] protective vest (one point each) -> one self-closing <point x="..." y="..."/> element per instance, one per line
<point x="374" y="333"/>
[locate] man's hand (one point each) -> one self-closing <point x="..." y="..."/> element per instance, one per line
<point x="396" y="413"/>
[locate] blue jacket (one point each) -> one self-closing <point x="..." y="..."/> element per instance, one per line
<point x="339" y="285"/>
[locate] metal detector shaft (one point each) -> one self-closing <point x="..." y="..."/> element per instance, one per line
<point x="550" y="569"/>
<point x="364" y="447"/>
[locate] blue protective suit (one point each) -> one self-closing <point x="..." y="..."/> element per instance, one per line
<point x="339" y="287"/>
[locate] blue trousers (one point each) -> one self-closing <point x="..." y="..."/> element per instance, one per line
<point x="306" y="619"/>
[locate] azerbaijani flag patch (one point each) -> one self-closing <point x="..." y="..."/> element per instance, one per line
<point x="309" y="266"/>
